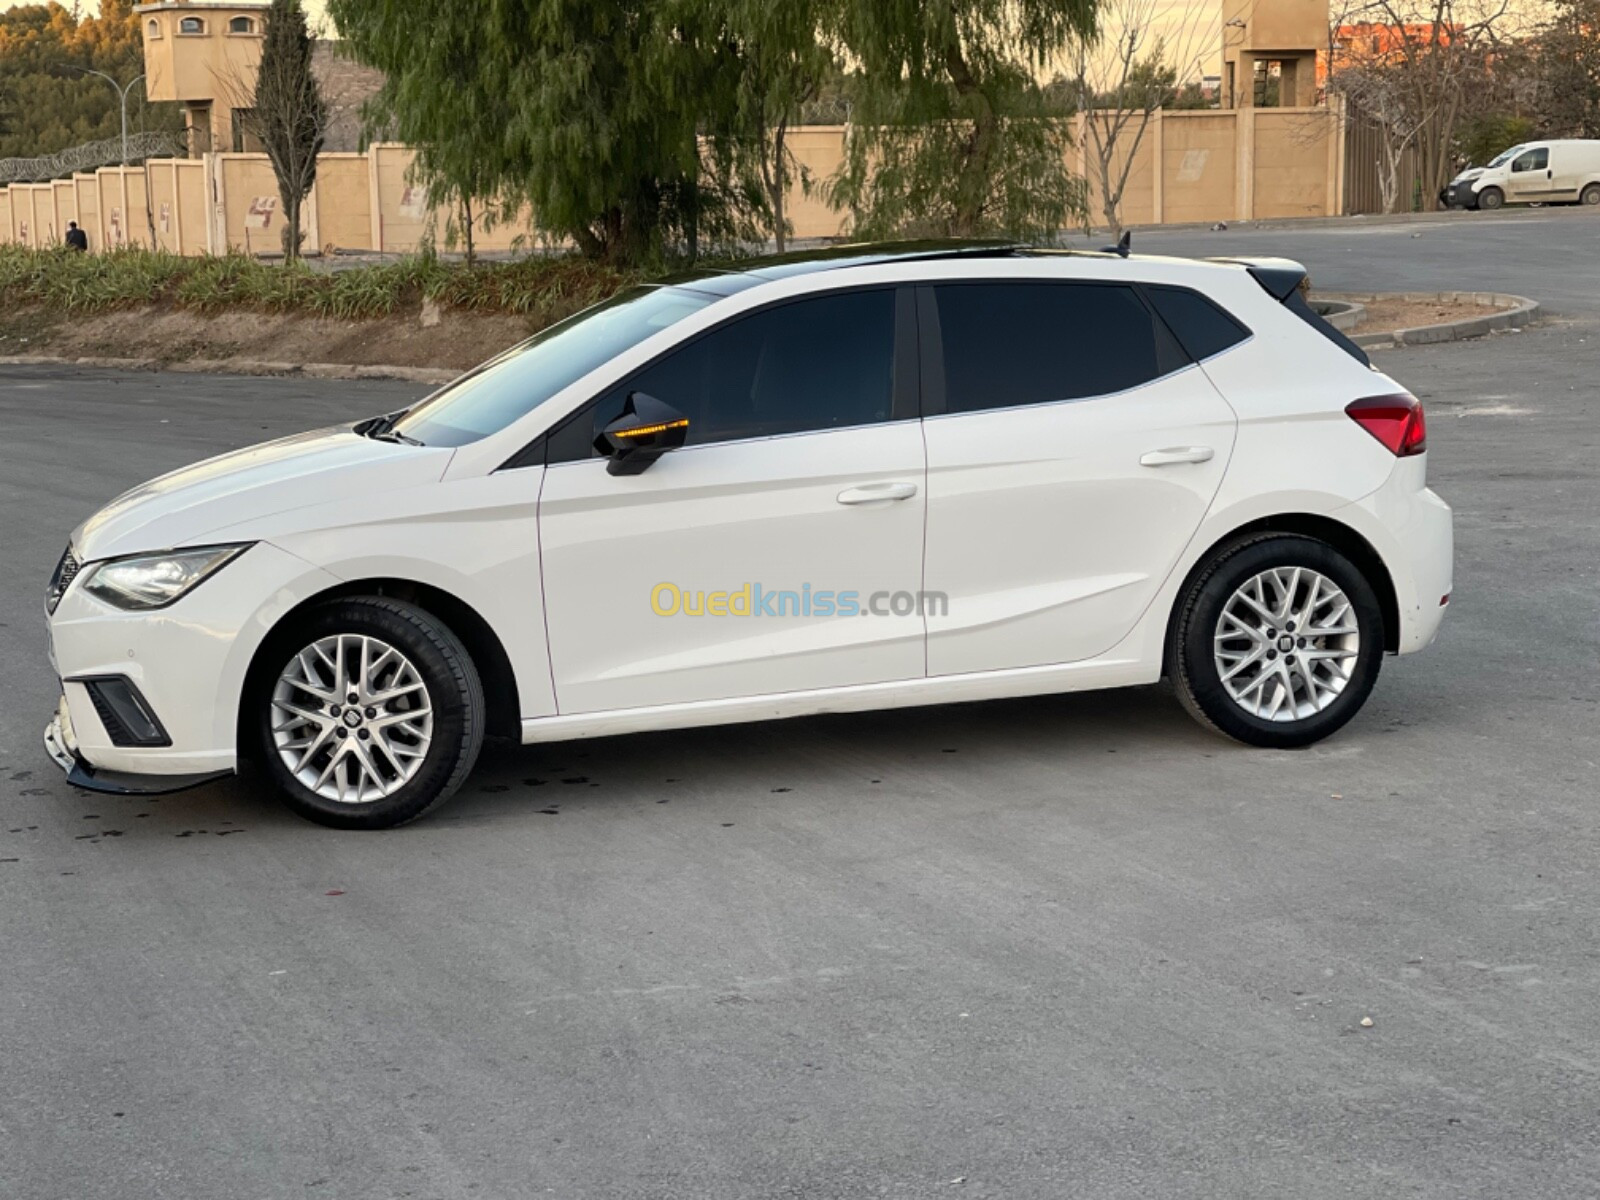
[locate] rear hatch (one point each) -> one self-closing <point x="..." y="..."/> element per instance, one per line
<point x="1285" y="281"/>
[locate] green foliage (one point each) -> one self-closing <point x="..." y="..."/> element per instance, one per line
<point x="1484" y="136"/>
<point x="783" y="66"/>
<point x="46" y="103"/>
<point x="951" y="131"/>
<point x="586" y="109"/>
<point x="1149" y="83"/>
<point x="642" y="129"/>
<point x="543" y="289"/>
<point x="67" y="281"/>
<point x="289" y="115"/>
<point x="1568" y="68"/>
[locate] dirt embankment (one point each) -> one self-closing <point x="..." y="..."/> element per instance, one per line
<point x="450" y="340"/>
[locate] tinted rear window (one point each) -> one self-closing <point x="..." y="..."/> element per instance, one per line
<point x="1202" y="328"/>
<point x="1008" y="344"/>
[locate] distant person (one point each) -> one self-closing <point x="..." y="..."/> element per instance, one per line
<point x="77" y="239"/>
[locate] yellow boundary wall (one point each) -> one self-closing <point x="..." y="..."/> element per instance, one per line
<point x="1201" y="165"/>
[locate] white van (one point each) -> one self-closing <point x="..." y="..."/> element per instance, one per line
<point x="1564" y="171"/>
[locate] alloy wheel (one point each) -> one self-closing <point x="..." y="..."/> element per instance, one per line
<point x="1286" y="644"/>
<point x="351" y="718"/>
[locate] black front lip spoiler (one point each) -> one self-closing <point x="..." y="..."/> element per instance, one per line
<point x="120" y="783"/>
<point x="60" y="744"/>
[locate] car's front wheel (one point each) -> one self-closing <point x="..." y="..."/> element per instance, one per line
<point x="372" y="713"/>
<point x="1277" y="641"/>
<point x="1491" y="198"/>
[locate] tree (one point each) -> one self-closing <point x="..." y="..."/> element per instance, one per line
<point x="587" y="110"/>
<point x="951" y="132"/>
<point x="1379" y="92"/>
<point x="1435" y="61"/>
<point x="289" y="116"/>
<point x="1483" y="137"/>
<point x="1125" y="72"/>
<point x="783" y="66"/>
<point x="47" y="102"/>
<point x="1568" y="69"/>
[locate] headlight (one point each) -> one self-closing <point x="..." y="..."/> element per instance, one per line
<point x="155" y="580"/>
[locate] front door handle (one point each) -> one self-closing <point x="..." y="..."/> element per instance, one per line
<point x="877" y="493"/>
<point x="1177" y="454"/>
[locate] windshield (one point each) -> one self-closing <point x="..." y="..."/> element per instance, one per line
<point x="515" y="383"/>
<point x="1505" y="156"/>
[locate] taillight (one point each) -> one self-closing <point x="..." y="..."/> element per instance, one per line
<point x="1396" y="421"/>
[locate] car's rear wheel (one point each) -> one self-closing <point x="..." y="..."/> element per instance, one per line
<point x="1590" y="194"/>
<point x="1491" y="198"/>
<point x="372" y="713"/>
<point x="1277" y="642"/>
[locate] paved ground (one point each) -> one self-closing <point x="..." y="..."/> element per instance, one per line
<point x="1058" y="947"/>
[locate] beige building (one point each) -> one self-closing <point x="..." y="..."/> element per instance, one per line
<point x="204" y="56"/>
<point x="1269" y="52"/>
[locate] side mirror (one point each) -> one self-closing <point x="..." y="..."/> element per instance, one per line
<point x="646" y="430"/>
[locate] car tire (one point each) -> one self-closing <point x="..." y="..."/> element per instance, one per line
<point x="1491" y="198"/>
<point x="406" y="745"/>
<point x="1328" y="675"/>
<point x="1590" y="195"/>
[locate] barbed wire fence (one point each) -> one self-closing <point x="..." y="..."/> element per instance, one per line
<point x="104" y="153"/>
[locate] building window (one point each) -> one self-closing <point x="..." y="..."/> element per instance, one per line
<point x="191" y="25"/>
<point x="241" y="25"/>
<point x="153" y="30"/>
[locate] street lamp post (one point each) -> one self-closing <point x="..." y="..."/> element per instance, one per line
<point x="122" y="94"/>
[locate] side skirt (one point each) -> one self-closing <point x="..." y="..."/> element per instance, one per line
<point x="944" y="689"/>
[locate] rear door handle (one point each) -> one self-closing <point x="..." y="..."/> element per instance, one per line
<point x="877" y="493"/>
<point x="1177" y="454"/>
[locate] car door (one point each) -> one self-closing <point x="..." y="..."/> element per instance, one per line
<point x="1073" y="449"/>
<point x="1566" y="173"/>
<point x="736" y="565"/>
<point x="1530" y="176"/>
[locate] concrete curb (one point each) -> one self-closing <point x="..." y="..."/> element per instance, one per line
<point x="1343" y="315"/>
<point x="1511" y="312"/>
<point x="238" y="366"/>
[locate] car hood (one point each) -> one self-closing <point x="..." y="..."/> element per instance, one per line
<point x="1469" y="173"/>
<point x="181" y="508"/>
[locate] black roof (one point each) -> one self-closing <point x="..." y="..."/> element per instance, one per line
<point x="745" y="273"/>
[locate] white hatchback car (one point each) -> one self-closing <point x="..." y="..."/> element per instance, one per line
<point x="863" y="478"/>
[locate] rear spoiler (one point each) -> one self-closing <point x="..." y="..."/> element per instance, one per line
<point x="1285" y="281"/>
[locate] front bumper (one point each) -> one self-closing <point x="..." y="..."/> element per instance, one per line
<point x="1459" y="194"/>
<point x="188" y="661"/>
<point x="62" y="745"/>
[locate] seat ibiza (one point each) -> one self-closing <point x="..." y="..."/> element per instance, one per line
<point x="864" y="478"/>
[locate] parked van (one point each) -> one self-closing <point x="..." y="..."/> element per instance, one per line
<point x="1565" y="171"/>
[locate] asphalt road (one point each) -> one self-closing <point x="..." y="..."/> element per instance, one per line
<point x="1058" y="947"/>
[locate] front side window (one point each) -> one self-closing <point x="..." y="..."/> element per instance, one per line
<point x="1533" y="160"/>
<point x="515" y="383"/>
<point x="1010" y="344"/>
<point x="816" y="364"/>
